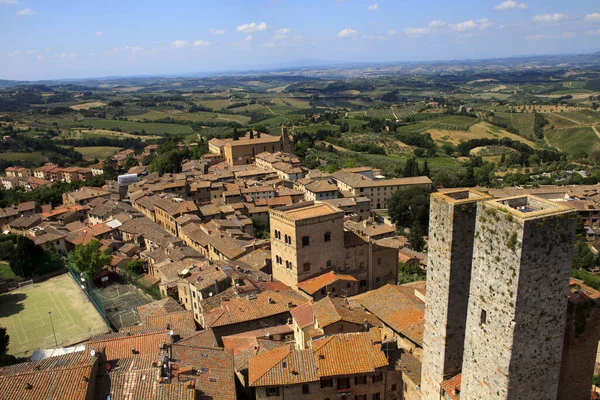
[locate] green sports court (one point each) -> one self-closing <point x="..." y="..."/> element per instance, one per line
<point x="25" y="314"/>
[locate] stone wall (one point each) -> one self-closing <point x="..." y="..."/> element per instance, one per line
<point x="451" y="235"/>
<point x="517" y="301"/>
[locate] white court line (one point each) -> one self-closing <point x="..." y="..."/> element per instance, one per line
<point x="65" y="309"/>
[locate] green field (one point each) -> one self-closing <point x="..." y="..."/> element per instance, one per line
<point x="521" y="122"/>
<point x="574" y="141"/>
<point x="195" y="117"/>
<point x="24" y="312"/>
<point x="99" y="152"/>
<point x="455" y="120"/>
<point x="6" y="273"/>
<point x="131" y="126"/>
<point x="16" y="156"/>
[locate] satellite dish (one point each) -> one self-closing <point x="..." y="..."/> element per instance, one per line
<point x="171" y="332"/>
<point x="92" y="352"/>
<point x="210" y="294"/>
<point x="267" y="334"/>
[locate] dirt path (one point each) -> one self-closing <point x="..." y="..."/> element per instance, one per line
<point x="596" y="130"/>
<point x="567" y="118"/>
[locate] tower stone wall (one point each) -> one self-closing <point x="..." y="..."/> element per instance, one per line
<point x="517" y="308"/>
<point x="451" y="236"/>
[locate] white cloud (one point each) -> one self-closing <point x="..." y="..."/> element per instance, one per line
<point x="282" y="33"/>
<point x="9" y="1"/>
<point x="484" y="24"/>
<point x="99" y="33"/>
<point x="26" y="12"/>
<point x="593" y="17"/>
<point x="134" y="48"/>
<point x="416" y="31"/>
<point x="569" y="34"/>
<point x="252" y="27"/>
<point x="114" y="50"/>
<point x="437" y="24"/>
<point x="216" y="32"/>
<point x="348" y="32"/>
<point x="464" y="26"/>
<point x="535" y="37"/>
<point x="391" y="32"/>
<point x="180" y="43"/>
<point x="594" y="32"/>
<point x="510" y="4"/>
<point x="373" y="7"/>
<point x="248" y="38"/>
<point x="201" y="43"/>
<point x="549" y="17"/>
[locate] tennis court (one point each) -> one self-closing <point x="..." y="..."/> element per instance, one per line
<point x="30" y="312"/>
<point x="121" y="302"/>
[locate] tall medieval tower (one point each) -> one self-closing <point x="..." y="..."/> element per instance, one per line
<point x="451" y="236"/>
<point x="517" y="308"/>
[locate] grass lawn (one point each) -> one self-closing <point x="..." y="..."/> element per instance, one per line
<point x="35" y="156"/>
<point x="99" y="152"/>
<point x="24" y="312"/>
<point x="6" y="273"/>
<point x="574" y="141"/>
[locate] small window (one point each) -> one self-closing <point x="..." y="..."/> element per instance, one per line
<point x="377" y="280"/>
<point x="360" y="380"/>
<point x="483" y="317"/>
<point x="341" y="328"/>
<point x="377" y="377"/>
<point x="306" y="267"/>
<point x="394" y="387"/>
<point x="323" y="292"/>
<point x="327" y="236"/>
<point x="305" y="389"/>
<point x="305" y="241"/>
<point x="272" y="391"/>
<point x="376" y="396"/>
<point x="379" y="261"/>
<point x="326" y="382"/>
<point x="343" y="383"/>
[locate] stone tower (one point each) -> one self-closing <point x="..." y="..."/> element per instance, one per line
<point x="451" y="235"/>
<point x="286" y="144"/>
<point x="518" y="299"/>
<point x="307" y="239"/>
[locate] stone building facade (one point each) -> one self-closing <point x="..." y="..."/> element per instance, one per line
<point x="451" y="236"/>
<point x="306" y="240"/>
<point x="518" y="299"/>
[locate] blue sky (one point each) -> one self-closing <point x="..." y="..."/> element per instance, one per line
<point x="44" y="39"/>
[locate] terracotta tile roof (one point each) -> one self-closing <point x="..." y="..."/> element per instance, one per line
<point x="160" y="307"/>
<point x="315" y="284"/>
<point x="181" y="321"/>
<point x="242" y="340"/>
<point x="258" y="346"/>
<point x="351" y="353"/>
<point x="282" y="366"/>
<point x="397" y="308"/>
<point x="62" y="377"/>
<point x="356" y="180"/>
<point x="205" y="338"/>
<point x="344" y="354"/>
<point x="214" y="377"/>
<point x="312" y="211"/>
<point x="303" y="315"/>
<point x="411" y="367"/>
<point x="330" y="310"/>
<point x="452" y="387"/>
<point x="121" y="345"/>
<point x="241" y="309"/>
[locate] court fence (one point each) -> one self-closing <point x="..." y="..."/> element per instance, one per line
<point x="92" y="292"/>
